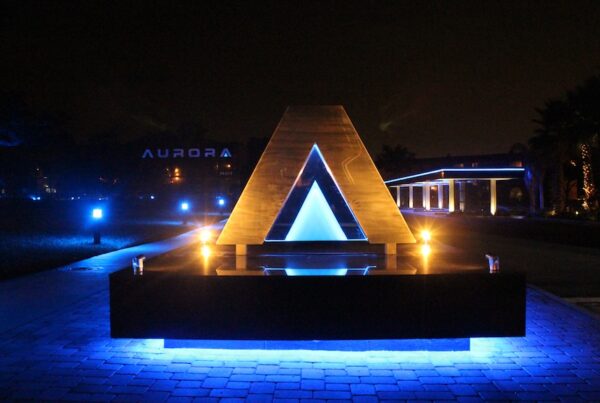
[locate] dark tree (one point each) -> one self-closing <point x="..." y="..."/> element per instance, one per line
<point x="567" y="137"/>
<point x="394" y="160"/>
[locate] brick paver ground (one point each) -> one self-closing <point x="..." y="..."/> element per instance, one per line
<point x="70" y="356"/>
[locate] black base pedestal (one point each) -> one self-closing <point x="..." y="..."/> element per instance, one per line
<point x="177" y="306"/>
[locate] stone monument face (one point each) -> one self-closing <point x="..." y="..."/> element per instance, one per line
<point x="315" y="182"/>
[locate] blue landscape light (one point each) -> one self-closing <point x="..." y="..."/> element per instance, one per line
<point x="185" y="206"/>
<point x="221" y="201"/>
<point x="97" y="214"/>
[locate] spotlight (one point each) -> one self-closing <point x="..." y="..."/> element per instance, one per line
<point x="221" y="201"/>
<point x="185" y="206"/>
<point x="205" y="236"/>
<point x="426" y="236"/>
<point x="97" y="214"/>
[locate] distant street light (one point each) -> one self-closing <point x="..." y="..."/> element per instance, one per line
<point x="97" y="215"/>
<point x="185" y="208"/>
<point x="221" y="202"/>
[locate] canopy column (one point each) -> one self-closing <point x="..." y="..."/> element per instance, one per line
<point x="426" y="197"/>
<point x="493" y="197"/>
<point x="461" y="196"/>
<point x="451" y="195"/>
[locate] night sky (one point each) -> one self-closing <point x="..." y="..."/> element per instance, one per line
<point x="457" y="78"/>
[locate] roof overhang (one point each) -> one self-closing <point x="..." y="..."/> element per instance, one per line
<point x="444" y="174"/>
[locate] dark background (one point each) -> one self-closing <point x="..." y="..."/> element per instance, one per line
<point x="459" y="77"/>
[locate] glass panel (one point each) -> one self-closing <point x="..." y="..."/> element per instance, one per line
<point x="272" y="271"/>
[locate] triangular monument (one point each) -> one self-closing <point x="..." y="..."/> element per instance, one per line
<point x="315" y="182"/>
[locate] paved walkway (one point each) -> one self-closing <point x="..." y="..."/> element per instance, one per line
<point x="64" y="352"/>
<point x="35" y="296"/>
<point x="70" y="356"/>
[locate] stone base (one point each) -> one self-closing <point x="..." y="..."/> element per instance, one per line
<point x="166" y="305"/>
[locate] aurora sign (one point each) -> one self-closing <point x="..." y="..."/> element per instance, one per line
<point x="165" y="153"/>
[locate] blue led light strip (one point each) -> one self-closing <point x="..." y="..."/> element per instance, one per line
<point x="456" y="170"/>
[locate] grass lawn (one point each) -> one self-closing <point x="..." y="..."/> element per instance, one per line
<point x="43" y="235"/>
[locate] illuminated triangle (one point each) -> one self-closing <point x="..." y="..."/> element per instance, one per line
<point x="332" y="204"/>
<point x="315" y="220"/>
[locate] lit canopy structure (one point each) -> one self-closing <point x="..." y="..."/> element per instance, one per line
<point x="450" y="178"/>
<point x="315" y="144"/>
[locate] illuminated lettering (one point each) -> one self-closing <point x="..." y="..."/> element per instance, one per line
<point x="164" y="153"/>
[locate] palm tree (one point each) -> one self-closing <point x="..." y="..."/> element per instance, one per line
<point x="585" y="108"/>
<point x="568" y="132"/>
<point x="550" y="149"/>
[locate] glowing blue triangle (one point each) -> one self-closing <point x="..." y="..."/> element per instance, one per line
<point x="315" y="220"/>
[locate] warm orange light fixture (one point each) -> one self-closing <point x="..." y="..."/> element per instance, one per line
<point x="426" y="236"/>
<point x="205" y="236"/>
